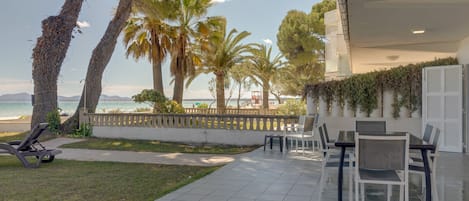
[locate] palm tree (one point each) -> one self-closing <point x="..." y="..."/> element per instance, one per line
<point x="223" y="52"/>
<point x="263" y="69"/>
<point x="189" y="27"/>
<point x="240" y="76"/>
<point x="149" y="37"/>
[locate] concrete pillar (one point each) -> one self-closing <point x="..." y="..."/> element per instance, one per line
<point x="323" y="107"/>
<point x="311" y="108"/>
<point x="348" y="112"/>
<point x="387" y="104"/>
<point x="336" y="110"/>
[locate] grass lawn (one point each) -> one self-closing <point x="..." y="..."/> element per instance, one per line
<point x="10" y="136"/>
<point x="76" y="180"/>
<point x="156" y="146"/>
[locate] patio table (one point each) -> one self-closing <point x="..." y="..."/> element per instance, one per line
<point x="347" y="139"/>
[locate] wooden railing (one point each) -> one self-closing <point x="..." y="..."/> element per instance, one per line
<point x="231" y="111"/>
<point x="232" y="122"/>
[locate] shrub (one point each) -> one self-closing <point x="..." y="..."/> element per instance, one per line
<point x="158" y="101"/>
<point x="85" y="130"/>
<point x="53" y="118"/>
<point x="202" y="106"/>
<point x="143" y="109"/>
<point x="292" y="107"/>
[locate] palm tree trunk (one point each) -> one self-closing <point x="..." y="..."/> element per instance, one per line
<point x="98" y="62"/>
<point x="220" y="85"/>
<point x="48" y="56"/>
<point x="239" y="95"/>
<point x="178" y="86"/>
<point x="265" y="94"/>
<point x="157" y="78"/>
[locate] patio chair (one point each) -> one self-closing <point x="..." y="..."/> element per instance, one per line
<point x="416" y="163"/>
<point x="330" y="142"/>
<point x="367" y="127"/>
<point x="330" y="159"/>
<point x="382" y="159"/>
<point x="30" y="146"/>
<point x="303" y="131"/>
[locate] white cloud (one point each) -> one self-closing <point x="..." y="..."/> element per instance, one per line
<point x="268" y="41"/>
<point x="83" y="24"/>
<point x="218" y="1"/>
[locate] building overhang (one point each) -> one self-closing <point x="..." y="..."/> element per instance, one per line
<point x="387" y="33"/>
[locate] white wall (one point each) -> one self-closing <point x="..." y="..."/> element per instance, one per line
<point x="192" y="135"/>
<point x="463" y="51"/>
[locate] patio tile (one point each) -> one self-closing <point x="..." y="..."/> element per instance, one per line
<point x="272" y="176"/>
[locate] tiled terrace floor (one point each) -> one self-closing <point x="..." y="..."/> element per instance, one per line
<point x="272" y="176"/>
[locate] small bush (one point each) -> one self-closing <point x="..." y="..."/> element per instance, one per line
<point x="115" y="111"/>
<point x="292" y="107"/>
<point x="85" y="130"/>
<point x="53" y="118"/>
<point x="202" y="106"/>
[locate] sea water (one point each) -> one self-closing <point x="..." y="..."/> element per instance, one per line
<point x="16" y="109"/>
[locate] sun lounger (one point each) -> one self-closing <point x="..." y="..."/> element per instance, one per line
<point x="30" y="147"/>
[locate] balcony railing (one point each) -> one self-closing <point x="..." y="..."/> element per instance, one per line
<point x="206" y="121"/>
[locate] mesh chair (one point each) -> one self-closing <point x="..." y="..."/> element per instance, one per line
<point x="382" y="159"/>
<point x="303" y="131"/>
<point x="329" y="141"/>
<point x="330" y="159"/>
<point x="416" y="164"/>
<point x="370" y="127"/>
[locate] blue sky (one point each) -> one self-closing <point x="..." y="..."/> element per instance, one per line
<point x="21" y="21"/>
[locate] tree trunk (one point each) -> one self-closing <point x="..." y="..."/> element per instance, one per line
<point x="277" y="97"/>
<point x="178" y="86"/>
<point x="239" y="96"/>
<point x="98" y="62"/>
<point x="48" y="56"/>
<point x="156" y="61"/>
<point x="265" y="94"/>
<point x="220" y="88"/>
<point x="157" y="78"/>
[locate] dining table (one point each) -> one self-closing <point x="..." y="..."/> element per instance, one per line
<point x="346" y="139"/>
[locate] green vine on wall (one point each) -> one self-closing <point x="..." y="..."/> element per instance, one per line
<point x="361" y="90"/>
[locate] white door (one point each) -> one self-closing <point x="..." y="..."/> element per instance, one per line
<point x="442" y="106"/>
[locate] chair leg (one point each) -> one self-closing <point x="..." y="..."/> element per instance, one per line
<point x="357" y="187"/>
<point x="389" y="193"/>
<point x="401" y="192"/>
<point x="281" y="143"/>
<point x="265" y="141"/>
<point x="350" y="190"/>
<point x="271" y="142"/>
<point x="362" y="189"/>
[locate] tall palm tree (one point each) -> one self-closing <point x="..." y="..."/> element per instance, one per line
<point x="149" y="37"/>
<point x="189" y="26"/>
<point x="263" y="69"/>
<point x="223" y="52"/>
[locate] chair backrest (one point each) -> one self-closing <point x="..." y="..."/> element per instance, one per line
<point x="382" y="152"/>
<point x="32" y="137"/>
<point x="366" y="127"/>
<point x="323" y="139"/>
<point x="308" y="125"/>
<point x="326" y="134"/>
<point x="427" y="133"/>
<point x="436" y="139"/>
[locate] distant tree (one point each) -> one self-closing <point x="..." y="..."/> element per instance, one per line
<point x="223" y="51"/>
<point x="301" y="38"/>
<point x="98" y="62"/>
<point x="190" y="27"/>
<point x="48" y="56"/>
<point x="158" y="102"/>
<point x="239" y="74"/>
<point x="263" y="68"/>
<point x="151" y="37"/>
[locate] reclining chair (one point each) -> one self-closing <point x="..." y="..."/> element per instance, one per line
<point x="30" y="146"/>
